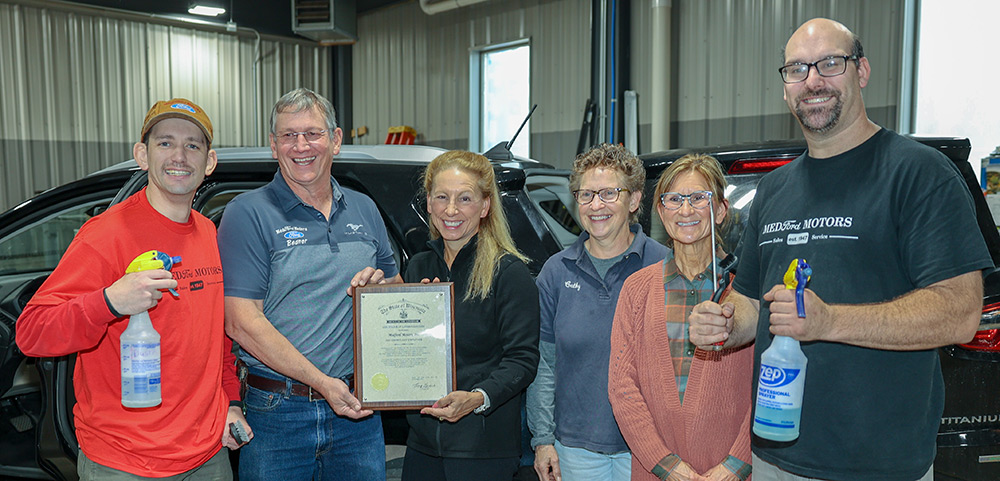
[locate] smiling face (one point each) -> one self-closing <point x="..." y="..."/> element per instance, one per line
<point x="177" y="156"/>
<point x="687" y="225"/>
<point x="456" y="206"/>
<point x="304" y="165"/>
<point x="824" y="105"/>
<point x="606" y="221"/>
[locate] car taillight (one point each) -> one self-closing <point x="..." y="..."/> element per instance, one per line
<point x="987" y="339"/>
<point x="758" y="165"/>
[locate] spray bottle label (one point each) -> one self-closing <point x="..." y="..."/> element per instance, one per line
<point x="140" y="368"/>
<point x="779" y="397"/>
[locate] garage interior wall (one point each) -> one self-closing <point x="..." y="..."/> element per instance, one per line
<point x="413" y="69"/>
<point x="76" y="83"/>
<point x="726" y="57"/>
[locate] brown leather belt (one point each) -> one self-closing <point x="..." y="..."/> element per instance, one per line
<point x="297" y="389"/>
<point x="274" y="385"/>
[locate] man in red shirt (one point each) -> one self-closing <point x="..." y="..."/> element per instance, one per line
<point x="85" y="305"/>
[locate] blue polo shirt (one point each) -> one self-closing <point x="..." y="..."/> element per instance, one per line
<point x="280" y="250"/>
<point x="577" y="309"/>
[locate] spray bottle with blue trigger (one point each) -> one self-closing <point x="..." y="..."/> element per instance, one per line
<point x="140" y="343"/>
<point x="783" y="371"/>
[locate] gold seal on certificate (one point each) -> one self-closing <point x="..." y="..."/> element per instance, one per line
<point x="404" y="347"/>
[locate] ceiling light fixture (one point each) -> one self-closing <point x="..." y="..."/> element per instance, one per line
<point x="206" y="11"/>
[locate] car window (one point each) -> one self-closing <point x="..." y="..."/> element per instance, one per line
<point x="550" y="193"/>
<point x="212" y="203"/>
<point x="39" y="246"/>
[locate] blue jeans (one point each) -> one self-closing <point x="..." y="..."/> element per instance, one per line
<point x="295" y="438"/>
<point x="578" y="464"/>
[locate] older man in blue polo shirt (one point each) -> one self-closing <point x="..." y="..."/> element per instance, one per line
<point x="289" y="252"/>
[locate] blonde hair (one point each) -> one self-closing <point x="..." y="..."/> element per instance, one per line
<point x="711" y="170"/>
<point x="494" y="235"/>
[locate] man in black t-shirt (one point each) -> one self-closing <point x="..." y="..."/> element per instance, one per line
<point x="889" y="229"/>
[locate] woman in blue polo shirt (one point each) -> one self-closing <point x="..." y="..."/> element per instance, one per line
<point x="573" y="428"/>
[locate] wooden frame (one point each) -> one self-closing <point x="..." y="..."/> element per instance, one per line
<point x="404" y="344"/>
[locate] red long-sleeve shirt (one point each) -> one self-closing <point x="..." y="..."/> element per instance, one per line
<point x="68" y="315"/>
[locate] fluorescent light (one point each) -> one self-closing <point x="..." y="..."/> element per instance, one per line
<point x="206" y="11"/>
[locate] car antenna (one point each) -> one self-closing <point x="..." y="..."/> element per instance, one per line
<point x="501" y="152"/>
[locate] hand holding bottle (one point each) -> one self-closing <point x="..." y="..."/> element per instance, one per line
<point x="140" y="343"/>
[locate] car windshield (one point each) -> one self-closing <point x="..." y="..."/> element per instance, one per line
<point x="39" y="246"/>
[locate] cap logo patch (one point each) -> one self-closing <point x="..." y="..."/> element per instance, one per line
<point x="180" y="106"/>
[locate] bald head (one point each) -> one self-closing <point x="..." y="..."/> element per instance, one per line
<point x="823" y="31"/>
<point x="824" y="72"/>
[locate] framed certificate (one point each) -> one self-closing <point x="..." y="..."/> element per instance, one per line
<point x="404" y="344"/>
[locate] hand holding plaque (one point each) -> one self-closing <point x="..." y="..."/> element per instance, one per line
<point x="404" y="347"/>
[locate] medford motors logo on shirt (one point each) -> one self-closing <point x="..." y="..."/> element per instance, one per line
<point x="842" y="226"/>
<point x="198" y="277"/>
<point x="293" y="235"/>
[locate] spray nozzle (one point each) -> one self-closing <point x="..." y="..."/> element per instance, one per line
<point x="796" y="277"/>
<point x="151" y="260"/>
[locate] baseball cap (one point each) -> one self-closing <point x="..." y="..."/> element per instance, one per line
<point x="177" y="109"/>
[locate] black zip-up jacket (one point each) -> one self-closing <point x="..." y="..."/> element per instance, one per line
<point x="496" y="350"/>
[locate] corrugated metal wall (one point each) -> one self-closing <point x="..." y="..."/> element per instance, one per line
<point x="726" y="54"/>
<point x="75" y="86"/>
<point x="413" y="69"/>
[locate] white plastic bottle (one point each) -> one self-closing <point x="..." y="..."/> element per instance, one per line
<point x="779" y="390"/>
<point x="140" y="360"/>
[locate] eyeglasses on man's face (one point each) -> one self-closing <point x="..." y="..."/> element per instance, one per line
<point x="311" y="136"/>
<point x="831" y="66"/>
<point x="698" y="199"/>
<point x="608" y="194"/>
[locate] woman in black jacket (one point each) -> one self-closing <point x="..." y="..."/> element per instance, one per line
<point x="475" y="431"/>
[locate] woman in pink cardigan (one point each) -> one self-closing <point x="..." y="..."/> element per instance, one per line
<point x="684" y="412"/>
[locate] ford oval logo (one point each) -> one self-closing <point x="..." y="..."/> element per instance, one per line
<point x="293" y="234"/>
<point x="181" y="106"/>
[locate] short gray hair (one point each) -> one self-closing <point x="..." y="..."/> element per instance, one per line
<point x="301" y="99"/>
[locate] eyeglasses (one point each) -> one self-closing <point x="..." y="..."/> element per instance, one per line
<point x="828" y="67"/>
<point x="609" y="194"/>
<point x="293" y="137"/>
<point x="698" y="199"/>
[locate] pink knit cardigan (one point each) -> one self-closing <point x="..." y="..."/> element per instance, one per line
<point x="714" y="420"/>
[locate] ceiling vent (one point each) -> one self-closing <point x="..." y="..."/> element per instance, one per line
<point x="329" y="22"/>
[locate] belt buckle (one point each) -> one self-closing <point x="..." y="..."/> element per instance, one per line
<point x="310" y="395"/>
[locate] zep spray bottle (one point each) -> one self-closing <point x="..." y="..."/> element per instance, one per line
<point x="783" y="372"/>
<point x="140" y="343"/>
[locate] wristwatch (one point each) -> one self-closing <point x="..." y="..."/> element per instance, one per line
<point x="486" y="402"/>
